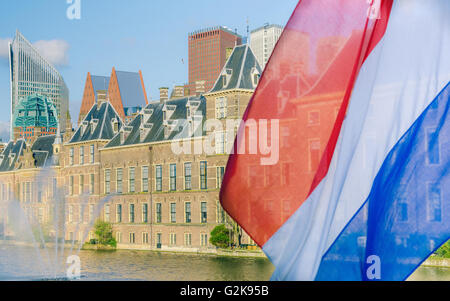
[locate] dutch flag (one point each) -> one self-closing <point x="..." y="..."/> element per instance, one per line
<point x="361" y="190"/>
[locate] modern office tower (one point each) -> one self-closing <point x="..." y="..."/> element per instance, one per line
<point x="263" y="41"/>
<point x="31" y="73"/>
<point x="207" y="56"/>
<point x="125" y="90"/>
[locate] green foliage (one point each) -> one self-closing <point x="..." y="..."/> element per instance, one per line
<point x="220" y="236"/>
<point x="444" y="251"/>
<point x="104" y="233"/>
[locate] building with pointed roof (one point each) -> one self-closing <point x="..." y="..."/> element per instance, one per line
<point x="154" y="197"/>
<point x="124" y="90"/>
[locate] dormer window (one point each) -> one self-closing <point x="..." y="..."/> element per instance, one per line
<point x="84" y="126"/>
<point x="147" y="114"/>
<point x="168" y="111"/>
<point x="115" y="125"/>
<point x="144" y="131"/>
<point x="125" y="132"/>
<point x="255" y="77"/>
<point x="224" y="80"/>
<point x="94" y="123"/>
<point x="11" y="158"/>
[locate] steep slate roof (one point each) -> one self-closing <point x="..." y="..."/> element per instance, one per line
<point x="241" y="64"/>
<point x="177" y="117"/>
<point x="15" y="149"/>
<point x="100" y="83"/>
<point x="131" y="90"/>
<point x="43" y="150"/>
<point x="103" y="114"/>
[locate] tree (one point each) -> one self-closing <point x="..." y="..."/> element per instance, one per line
<point x="444" y="251"/>
<point x="220" y="236"/>
<point x="104" y="233"/>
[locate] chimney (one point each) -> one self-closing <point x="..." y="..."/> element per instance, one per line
<point x="163" y="94"/>
<point x="178" y="92"/>
<point x="200" y="87"/>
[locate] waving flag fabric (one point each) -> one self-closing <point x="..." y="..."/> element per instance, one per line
<point x="360" y="89"/>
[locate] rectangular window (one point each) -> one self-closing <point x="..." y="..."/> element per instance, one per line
<point x="119" y="237"/>
<point x="173" y="212"/>
<point x="187" y="239"/>
<point x="159" y="240"/>
<point x="132" y="238"/>
<point x="118" y="213"/>
<point x="434" y="202"/>
<point x="433" y="146"/>
<point x="131" y="180"/>
<point x="220" y="142"/>
<point x="81" y="155"/>
<point x="158" y="213"/>
<point x="92" y="148"/>
<point x="187" y="207"/>
<point x="145" y="213"/>
<point x="159" y="178"/>
<point x="220" y="174"/>
<point x="203" y="175"/>
<point x="81" y="184"/>
<point x="188" y="176"/>
<point x="204" y="239"/>
<point x="119" y="180"/>
<point x="91" y="184"/>
<point x="145" y="179"/>
<point x="71" y="156"/>
<point x="173" y="239"/>
<point x="107" y="212"/>
<point x="221" y="107"/>
<point x="131" y="215"/>
<point x="204" y="213"/>
<point x="144" y="238"/>
<point x="71" y="185"/>
<point x="173" y="177"/>
<point x="107" y="181"/>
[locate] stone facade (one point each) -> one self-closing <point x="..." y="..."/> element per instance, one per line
<point x="153" y="197"/>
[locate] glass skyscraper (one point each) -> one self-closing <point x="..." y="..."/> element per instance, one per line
<point x="31" y="74"/>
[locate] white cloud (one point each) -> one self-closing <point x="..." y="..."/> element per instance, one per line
<point x="55" y="51"/>
<point x="4" y="47"/>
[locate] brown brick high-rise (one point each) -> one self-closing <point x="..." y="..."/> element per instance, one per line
<point x="208" y="54"/>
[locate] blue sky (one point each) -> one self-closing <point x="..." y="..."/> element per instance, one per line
<point x="150" y="35"/>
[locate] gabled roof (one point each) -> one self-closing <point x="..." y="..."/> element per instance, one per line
<point x="43" y="150"/>
<point x="97" y="125"/>
<point x="238" y="70"/>
<point x="176" y="125"/>
<point x="11" y="154"/>
<point x="100" y="83"/>
<point x="131" y="89"/>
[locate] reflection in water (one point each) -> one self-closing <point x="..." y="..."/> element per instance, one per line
<point x="18" y="263"/>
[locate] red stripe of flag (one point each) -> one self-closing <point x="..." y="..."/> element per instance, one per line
<point x="306" y="85"/>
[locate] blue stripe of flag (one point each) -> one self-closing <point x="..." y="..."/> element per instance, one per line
<point x="406" y="216"/>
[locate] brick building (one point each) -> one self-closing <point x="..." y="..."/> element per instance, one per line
<point x="208" y="55"/>
<point x="130" y="174"/>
